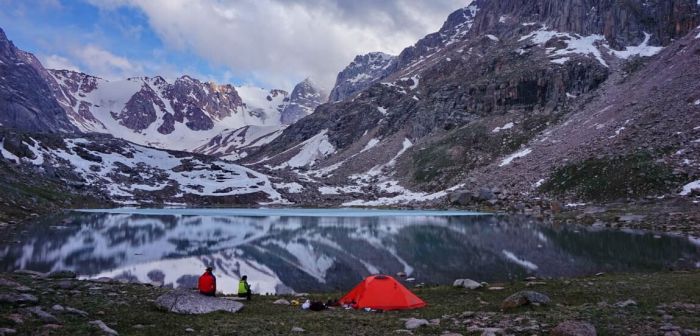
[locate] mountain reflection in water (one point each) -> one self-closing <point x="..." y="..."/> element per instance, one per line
<point x="288" y="253"/>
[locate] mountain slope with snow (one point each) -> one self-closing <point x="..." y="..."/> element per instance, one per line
<point x="497" y="76"/>
<point x="153" y="112"/>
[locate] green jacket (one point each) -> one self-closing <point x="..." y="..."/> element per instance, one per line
<point x="243" y="287"/>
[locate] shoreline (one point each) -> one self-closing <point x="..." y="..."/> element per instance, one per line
<point x="639" y="303"/>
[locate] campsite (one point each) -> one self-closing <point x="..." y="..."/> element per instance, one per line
<point x="658" y="306"/>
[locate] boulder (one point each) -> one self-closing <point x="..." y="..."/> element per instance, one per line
<point x="298" y="330"/>
<point x="626" y="303"/>
<point x="75" y="311"/>
<point x="574" y="328"/>
<point x="42" y="315"/>
<point x="414" y="323"/>
<point x="104" y="328"/>
<point x="18" y="298"/>
<point x="282" y="302"/>
<point x="190" y="302"/>
<point x="467" y="283"/>
<point x="524" y="298"/>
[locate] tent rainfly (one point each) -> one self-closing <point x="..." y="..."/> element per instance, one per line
<point x="381" y="292"/>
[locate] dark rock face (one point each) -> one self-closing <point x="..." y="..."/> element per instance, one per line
<point x="364" y="71"/>
<point x="453" y="30"/>
<point x="621" y="22"/>
<point x="139" y="112"/>
<point x="26" y="101"/>
<point x="304" y="99"/>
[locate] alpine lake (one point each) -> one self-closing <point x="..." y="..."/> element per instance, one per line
<point x="285" y="251"/>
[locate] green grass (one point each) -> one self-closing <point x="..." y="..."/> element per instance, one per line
<point x="612" y="178"/>
<point x="571" y="299"/>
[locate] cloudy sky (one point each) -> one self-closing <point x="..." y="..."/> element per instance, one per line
<point x="271" y="43"/>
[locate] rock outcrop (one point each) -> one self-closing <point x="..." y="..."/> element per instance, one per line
<point x="26" y="100"/>
<point x="304" y="99"/>
<point x="189" y="302"/>
<point x="364" y="71"/>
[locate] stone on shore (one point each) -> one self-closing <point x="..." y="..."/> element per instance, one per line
<point x="104" y="328"/>
<point x="467" y="283"/>
<point x="414" y="323"/>
<point x="190" y="302"/>
<point x="524" y="298"/>
<point x="42" y="315"/>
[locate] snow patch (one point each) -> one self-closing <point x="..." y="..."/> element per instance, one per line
<point x="643" y="50"/>
<point x="503" y="128"/>
<point x="516" y="155"/>
<point x="690" y="187"/>
<point x="313" y="149"/>
<point x="371" y="144"/>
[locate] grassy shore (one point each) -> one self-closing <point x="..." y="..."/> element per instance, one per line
<point x="663" y="302"/>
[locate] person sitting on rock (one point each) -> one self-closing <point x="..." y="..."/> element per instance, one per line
<point x="207" y="283"/>
<point x="244" y="288"/>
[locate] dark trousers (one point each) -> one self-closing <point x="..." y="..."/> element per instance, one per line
<point x="248" y="295"/>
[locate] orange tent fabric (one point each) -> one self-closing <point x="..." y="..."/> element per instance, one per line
<point x="381" y="292"/>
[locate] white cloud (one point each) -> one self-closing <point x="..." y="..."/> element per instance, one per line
<point x="58" y="62"/>
<point x="102" y="63"/>
<point x="278" y="42"/>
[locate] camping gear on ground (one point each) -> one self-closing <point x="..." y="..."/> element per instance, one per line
<point x="317" y="306"/>
<point x="306" y="304"/>
<point x="381" y="292"/>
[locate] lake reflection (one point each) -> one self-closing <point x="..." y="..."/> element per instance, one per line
<point x="284" y="251"/>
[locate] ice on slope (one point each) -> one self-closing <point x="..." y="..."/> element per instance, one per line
<point x="157" y="167"/>
<point x="503" y="128"/>
<point x="643" y="50"/>
<point x="519" y="154"/>
<point x="588" y="45"/>
<point x="311" y="150"/>
<point x="690" y="187"/>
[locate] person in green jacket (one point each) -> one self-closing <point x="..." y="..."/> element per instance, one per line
<point x="244" y="288"/>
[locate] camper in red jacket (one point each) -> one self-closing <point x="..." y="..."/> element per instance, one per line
<point x="207" y="283"/>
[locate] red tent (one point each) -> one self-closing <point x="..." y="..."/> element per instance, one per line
<point x="381" y="292"/>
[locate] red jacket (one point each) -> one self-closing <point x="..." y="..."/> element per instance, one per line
<point x="207" y="283"/>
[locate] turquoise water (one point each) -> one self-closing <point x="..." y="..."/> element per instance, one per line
<point x="302" y="250"/>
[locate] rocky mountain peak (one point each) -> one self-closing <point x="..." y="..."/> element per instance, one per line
<point x="26" y="100"/>
<point x="305" y="97"/>
<point x="361" y="73"/>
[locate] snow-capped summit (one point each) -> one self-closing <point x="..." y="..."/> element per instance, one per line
<point x="151" y="111"/>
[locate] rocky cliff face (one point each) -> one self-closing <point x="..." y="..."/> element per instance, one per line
<point x="498" y="75"/>
<point x="622" y="23"/>
<point x="364" y="71"/>
<point x="304" y="99"/>
<point x="26" y="101"/>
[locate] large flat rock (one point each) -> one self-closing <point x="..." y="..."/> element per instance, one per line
<point x="190" y="302"/>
